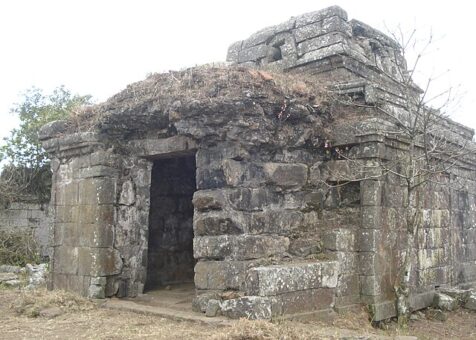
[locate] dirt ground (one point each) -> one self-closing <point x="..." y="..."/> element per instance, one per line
<point x="57" y="315"/>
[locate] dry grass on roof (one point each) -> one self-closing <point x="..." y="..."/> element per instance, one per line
<point x="205" y="84"/>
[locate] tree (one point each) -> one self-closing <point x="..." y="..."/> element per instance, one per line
<point x="26" y="172"/>
<point x="428" y="150"/>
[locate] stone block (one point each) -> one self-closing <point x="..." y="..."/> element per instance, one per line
<point x="96" y="291"/>
<point x="303" y="247"/>
<point x="66" y="234"/>
<point x="383" y="310"/>
<point x="471" y="302"/>
<point x="72" y="283"/>
<point x="280" y="222"/>
<point x="204" y="200"/>
<point x="96" y="235"/>
<point x="210" y="178"/>
<point x="329" y="274"/>
<point x="371" y="217"/>
<point x="253" y="53"/>
<point x="99" y="261"/>
<point x="368" y="240"/>
<point x="239" y="247"/>
<point x="338" y="171"/>
<point x="371" y="192"/>
<point x="96" y="171"/>
<point x="241" y="173"/>
<point x="128" y="195"/>
<point x="422" y="300"/>
<point x="320" y="15"/>
<point x="461" y="295"/>
<point x="304" y="301"/>
<point x="97" y="191"/>
<point x="252" y="199"/>
<point x="278" y="279"/>
<point x="216" y="223"/>
<point x="444" y="302"/>
<point x="250" y="307"/>
<point x="66" y="193"/>
<point x="349" y="285"/>
<point x="338" y="239"/>
<point x="233" y="51"/>
<point x="52" y="129"/>
<point x="65" y="260"/>
<point x="286" y="175"/>
<point x="221" y="275"/>
<point x="213" y="308"/>
<point x="200" y="302"/>
<point x="260" y="37"/>
<point x="320" y="42"/>
<point x="325" y="52"/>
<point x="370" y="285"/>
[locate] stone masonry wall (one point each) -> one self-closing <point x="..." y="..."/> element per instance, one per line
<point x="31" y="218"/>
<point x="292" y="211"/>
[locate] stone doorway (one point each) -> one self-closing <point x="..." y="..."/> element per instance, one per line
<point x="170" y="244"/>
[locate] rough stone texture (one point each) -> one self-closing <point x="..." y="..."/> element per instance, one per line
<point x="471" y="302"/>
<point x="292" y="211"/>
<point x="445" y="302"/>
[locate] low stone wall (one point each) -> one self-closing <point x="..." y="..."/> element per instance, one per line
<point x="28" y="217"/>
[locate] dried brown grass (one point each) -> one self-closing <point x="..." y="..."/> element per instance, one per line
<point x="31" y="302"/>
<point x="205" y="85"/>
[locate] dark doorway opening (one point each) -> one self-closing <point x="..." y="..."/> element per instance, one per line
<point x="170" y="251"/>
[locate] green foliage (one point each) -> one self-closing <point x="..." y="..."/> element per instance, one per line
<point x="25" y="174"/>
<point x="22" y="147"/>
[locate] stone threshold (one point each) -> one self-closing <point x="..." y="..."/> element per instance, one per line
<point x="168" y="313"/>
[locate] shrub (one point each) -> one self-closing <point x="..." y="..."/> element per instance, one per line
<point x="18" y="248"/>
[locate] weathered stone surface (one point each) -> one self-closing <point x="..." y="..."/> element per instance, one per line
<point x="240" y="173"/>
<point x="253" y="53"/>
<point x="340" y="239"/>
<point x="250" y="307"/>
<point x="4" y="268"/>
<point x="205" y="200"/>
<point x="233" y="51"/>
<point x="52" y="129"/>
<point x="213" y="308"/>
<point x="319" y="42"/>
<point x="4" y="277"/>
<point x="239" y="247"/>
<point x="305" y="300"/>
<point x="274" y="280"/>
<point x="252" y="199"/>
<point x="445" y="302"/>
<point x="286" y="175"/>
<point x="471" y="302"/>
<point x="221" y="275"/>
<point x="312" y="17"/>
<point x="216" y="224"/>
<point x="98" y="261"/>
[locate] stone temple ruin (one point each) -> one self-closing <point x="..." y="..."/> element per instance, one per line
<point x="225" y="177"/>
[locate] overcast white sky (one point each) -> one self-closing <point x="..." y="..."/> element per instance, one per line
<point x="98" y="47"/>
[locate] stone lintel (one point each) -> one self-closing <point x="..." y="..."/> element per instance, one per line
<point x="165" y="147"/>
